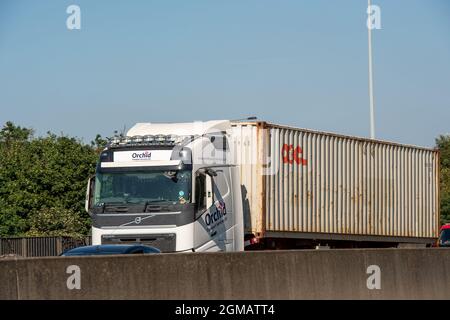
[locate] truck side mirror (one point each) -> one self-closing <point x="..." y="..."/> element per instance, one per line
<point x="211" y="172"/>
<point x="89" y="193"/>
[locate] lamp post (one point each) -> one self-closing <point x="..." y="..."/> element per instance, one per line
<point x="371" y="100"/>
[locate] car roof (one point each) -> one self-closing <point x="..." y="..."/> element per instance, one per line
<point x="105" y="248"/>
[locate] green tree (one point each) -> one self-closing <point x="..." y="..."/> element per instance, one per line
<point x="99" y="143"/>
<point x="39" y="176"/>
<point x="12" y="140"/>
<point x="443" y="144"/>
<point x="56" y="221"/>
<point x="12" y="133"/>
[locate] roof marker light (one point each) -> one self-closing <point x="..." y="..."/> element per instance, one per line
<point x="115" y="140"/>
<point x="149" y="139"/>
<point x="137" y="139"/>
<point x="127" y="140"/>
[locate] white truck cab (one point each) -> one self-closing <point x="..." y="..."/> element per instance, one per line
<point x="168" y="185"/>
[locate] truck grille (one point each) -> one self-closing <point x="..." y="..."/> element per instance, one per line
<point x="164" y="242"/>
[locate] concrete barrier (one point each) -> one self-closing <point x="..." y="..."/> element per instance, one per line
<point x="324" y="274"/>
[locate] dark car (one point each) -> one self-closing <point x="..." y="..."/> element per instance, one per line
<point x="107" y="249"/>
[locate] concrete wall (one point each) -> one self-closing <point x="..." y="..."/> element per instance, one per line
<point x="326" y="274"/>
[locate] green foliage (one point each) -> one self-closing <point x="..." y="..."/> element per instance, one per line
<point x="443" y="144"/>
<point x="56" y="222"/>
<point x="42" y="178"/>
<point x="99" y="143"/>
<point x="11" y="133"/>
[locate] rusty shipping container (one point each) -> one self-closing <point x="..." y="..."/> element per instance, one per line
<point x="299" y="183"/>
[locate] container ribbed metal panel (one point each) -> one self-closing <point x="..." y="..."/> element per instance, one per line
<point x="245" y="144"/>
<point x="299" y="180"/>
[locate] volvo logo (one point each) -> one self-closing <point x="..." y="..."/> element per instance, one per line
<point x="137" y="220"/>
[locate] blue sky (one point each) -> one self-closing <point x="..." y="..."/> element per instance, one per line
<point x="301" y="63"/>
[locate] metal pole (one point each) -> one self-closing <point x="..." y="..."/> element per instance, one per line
<point x="371" y="100"/>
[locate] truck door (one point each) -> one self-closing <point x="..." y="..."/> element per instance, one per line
<point x="213" y="229"/>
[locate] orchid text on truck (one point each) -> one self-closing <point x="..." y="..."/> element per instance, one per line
<point x="218" y="212"/>
<point x="142" y="156"/>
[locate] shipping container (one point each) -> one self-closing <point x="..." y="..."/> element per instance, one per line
<point x="299" y="183"/>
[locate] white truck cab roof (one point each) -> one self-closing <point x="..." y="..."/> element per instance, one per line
<point x="180" y="128"/>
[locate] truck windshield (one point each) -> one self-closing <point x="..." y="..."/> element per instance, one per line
<point x="142" y="187"/>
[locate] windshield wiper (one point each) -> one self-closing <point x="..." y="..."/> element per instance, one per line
<point x="154" y="201"/>
<point x="116" y="206"/>
<point x="125" y="206"/>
